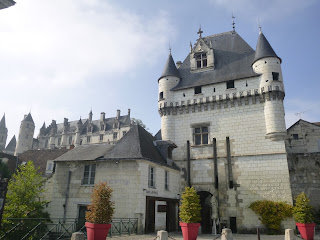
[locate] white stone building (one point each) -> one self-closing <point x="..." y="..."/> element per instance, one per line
<point x="144" y="179"/>
<point x="68" y="133"/>
<point x="223" y="108"/>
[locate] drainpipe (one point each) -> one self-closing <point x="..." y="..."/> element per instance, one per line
<point x="67" y="197"/>
<point x="188" y="165"/>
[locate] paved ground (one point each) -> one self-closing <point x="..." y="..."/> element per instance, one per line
<point x="208" y="237"/>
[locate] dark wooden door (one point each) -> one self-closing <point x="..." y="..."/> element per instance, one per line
<point x="233" y="224"/>
<point x="82" y="216"/>
<point x="150" y="215"/>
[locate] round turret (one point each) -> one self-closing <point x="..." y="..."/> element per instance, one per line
<point x="268" y="65"/>
<point x="170" y="78"/>
<point x="25" y="139"/>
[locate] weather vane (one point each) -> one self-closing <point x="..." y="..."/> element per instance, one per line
<point x="233" y="23"/>
<point x="200" y="32"/>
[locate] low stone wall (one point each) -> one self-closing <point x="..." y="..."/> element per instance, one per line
<point x="304" y="171"/>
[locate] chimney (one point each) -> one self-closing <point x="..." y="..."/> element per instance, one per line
<point x="179" y="63"/>
<point x="102" y="116"/>
<point x="118" y="114"/>
<point x="128" y="112"/>
<point x="65" y="122"/>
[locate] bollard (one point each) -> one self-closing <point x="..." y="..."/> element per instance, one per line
<point x="289" y="235"/>
<point x="77" y="236"/>
<point x="226" y="234"/>
<point x="162" y="235"/>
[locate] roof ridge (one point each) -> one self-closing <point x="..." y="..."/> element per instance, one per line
<point x="219" y="34"/>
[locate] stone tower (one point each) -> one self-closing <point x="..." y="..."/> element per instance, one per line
<point x="170" y="77"/>
<point x="26" y="132"/>
<point x="3" y="133"/>
<point x="267" y="64"/>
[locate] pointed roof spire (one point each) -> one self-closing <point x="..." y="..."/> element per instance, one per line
<point x="43" y="126"/>
<point x="170" y="68"/>
<point x="264" y="49"/>
<point x="3" y="121"/>
<point x="28" y="118"/>
<point x="12" y="144"/>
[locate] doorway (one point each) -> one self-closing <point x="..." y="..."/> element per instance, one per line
<point x="206" y="211"/>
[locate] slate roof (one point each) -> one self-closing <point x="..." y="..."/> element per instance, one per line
<point x="136" y="144"/>
<point x="304" y="121"/>
<point x="233" y="58"/>
<point x="264" y="49"/>
<point x="28" y="118"/>
<point x="170" y="68"/>
<point x="3" y="122"/>
<point x="86" y="152"/>
<point x="11" y="147"/>
<point x="6" y="3"/>
<point x="40" y="157"/>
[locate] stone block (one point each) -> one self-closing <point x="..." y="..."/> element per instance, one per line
<point x="162" y="235"/>
<point x="226" y="234"/>
<point x="289" y="235"/>
<point x="77" y="236"/>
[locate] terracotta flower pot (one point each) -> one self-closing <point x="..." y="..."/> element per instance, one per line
<point x="306" y="230"/>
<point x="189" y="230"/>
<point x="97" y="231"/>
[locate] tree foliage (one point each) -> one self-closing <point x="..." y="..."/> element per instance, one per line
<point x="272" y="213"/>
<point x="190" y="208"/>
<point x="101" y="209"/>
<point x="139" y="122"/>
<point x="302" y="210"/>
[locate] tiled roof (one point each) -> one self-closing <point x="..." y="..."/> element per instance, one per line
<point x="233" y="58"/>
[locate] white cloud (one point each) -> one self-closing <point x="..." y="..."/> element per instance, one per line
<point x="52" y="51"/>
<point x="267" y="10"/>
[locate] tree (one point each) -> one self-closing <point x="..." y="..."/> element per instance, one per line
<point x="302" y="210"/>
<point x="24" y="200"/>
<point x="139" y="122"/>
<point x="190" y="208"/>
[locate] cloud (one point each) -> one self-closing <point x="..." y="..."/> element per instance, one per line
<point x="304" y="109"/>
<point x="52" y="53"/>
<point x="265" y="11"/>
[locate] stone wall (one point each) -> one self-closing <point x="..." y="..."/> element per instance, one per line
<point x="305" y="175"/>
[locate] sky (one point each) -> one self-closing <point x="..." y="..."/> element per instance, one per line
<point x="63" y="58"/>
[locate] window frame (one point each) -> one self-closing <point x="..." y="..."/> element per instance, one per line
<point x="275" y="76"/>
<point x="230" y="86"/>
<point x="201" y="60"/>
<point x="151" y="177"/>
<point x="166" y="180"/>
<point x="88" y="139"/>
<point x="115" y="136"/>
<point x="198" y="90"/>
<point x="91" y="170"/>
<point x="204" y="134"/>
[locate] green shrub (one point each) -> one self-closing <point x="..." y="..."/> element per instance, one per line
<point x="272" y="213"/>
<point x="190" y="208"/>
<point x="302" y="210"/>
<point x="101" y="209"/>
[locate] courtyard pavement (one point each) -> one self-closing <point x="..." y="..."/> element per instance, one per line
<point x="178" y="236"/>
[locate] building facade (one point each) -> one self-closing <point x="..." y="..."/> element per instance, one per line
<point x="223" y="108"/>
<point x="68" y="133"/>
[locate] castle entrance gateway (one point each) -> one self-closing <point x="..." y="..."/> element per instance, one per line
<point x="206" y="211"/>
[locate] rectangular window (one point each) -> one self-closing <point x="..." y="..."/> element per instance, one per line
<point x="197" y="90"/>
<point x="151" y="178"/>
<point x="201" y="60"/>
<point x="46" y="143"/>
<point x="101" y="137"/>
<point x="49" y="168"/>
<point x="295" y="136"/>
<point x="124" y="133"/>
<point x="160" y="95"/>
<point x="89" y="174"/>
<point x="102" y="127"/>
<point x="275" y="76"/>
<point x="59" y="141"/>
<point x="230" y="84"/>
<point x="70" y="140"/>
<point x="201" y="135"/>
<point x="88" y="139"/>
<point x="115" y="136"/>
<point x="166" y="180"/>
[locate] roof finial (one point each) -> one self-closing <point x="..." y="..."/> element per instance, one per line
<point x="200" y="32"/>
<point x="169" y="48"/>
<point x="259" y="26"/>
<point x="233" y="23"/>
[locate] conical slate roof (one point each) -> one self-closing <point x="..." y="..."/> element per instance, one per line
<point x="28" y="118"/>
<point x="170" y="68"/>
<point x="264" y="49"/>
<point x="3" y="122"/>
<point x="12" y="145"/>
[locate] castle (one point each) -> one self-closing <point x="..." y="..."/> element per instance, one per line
<point x="223" y="108"/>
<point x="66" y="134"/>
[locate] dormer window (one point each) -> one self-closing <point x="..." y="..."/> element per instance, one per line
<point x="201" y="60"/>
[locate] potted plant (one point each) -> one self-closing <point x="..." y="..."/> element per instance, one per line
<point x="100" y="211"/>
<point x="190" y="214"/>
<point x="302" y="213"/>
